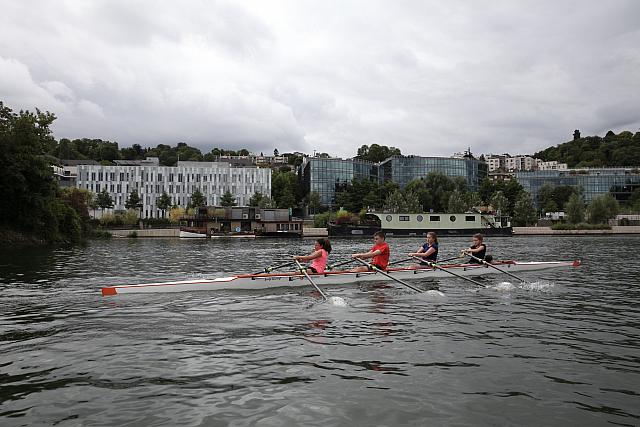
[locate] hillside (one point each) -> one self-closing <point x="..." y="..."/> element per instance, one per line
<point x="622" y="149"/>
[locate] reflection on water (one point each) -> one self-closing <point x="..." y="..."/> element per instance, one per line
<point x="562" y="348"/>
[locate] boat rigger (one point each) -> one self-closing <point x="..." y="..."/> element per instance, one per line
<point x="269" y="280"/>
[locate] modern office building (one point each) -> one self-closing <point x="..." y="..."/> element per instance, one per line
<point x="150" y="179"/>
<point x="323" y="175"/>
<point x="403" y="169"/>
<point x="620" y="182"/>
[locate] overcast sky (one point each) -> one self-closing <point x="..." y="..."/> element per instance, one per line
<point x="429" y="77"/>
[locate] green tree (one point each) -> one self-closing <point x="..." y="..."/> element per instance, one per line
<point x="602" y="208"/>
<point x="575" y="209"/>
<point x="228" y="199"/>
<point x="499" y="202"/>
<point x="456" y="203"/>
<point x="524" y="211"/>
<point x="395" y="202"/>
<point x="255" y="199"/>
<point x="197" y="199"/>
<point x="473" y="201"/>
<point x="376" y="153"/>
<point x="412" y="203"/>
<point x="164" y="203"/>
<point x="314" y="201"/>
<point x="266" y="203"/>
<point x="104" y="200"/>
<point x="285" y="188"/>
<point x="32" y="204"/>
<point x="134" y="202"/>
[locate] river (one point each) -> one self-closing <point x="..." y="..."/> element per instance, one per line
<point x="561" y="349"/>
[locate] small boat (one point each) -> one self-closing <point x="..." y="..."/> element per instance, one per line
<point x="268" y="281"/>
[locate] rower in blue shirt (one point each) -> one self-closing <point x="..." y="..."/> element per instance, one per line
<point x="429" y="250"/>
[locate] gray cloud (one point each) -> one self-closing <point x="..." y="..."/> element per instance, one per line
<point x="429" y="77"/>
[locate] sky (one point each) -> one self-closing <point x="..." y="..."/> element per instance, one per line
<point x="428" y="77"/>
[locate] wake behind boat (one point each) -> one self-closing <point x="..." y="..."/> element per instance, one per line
<point x="268" y="281"/>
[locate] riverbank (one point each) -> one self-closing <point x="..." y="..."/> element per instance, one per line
<point x="539" y="231"/>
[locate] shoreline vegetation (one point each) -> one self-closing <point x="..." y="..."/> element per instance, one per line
<point x="36" y="211"/>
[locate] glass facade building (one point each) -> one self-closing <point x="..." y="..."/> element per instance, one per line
<point x="325" y="175"/>
<point x="620" y="182"/>
<point x="403" y="169"/>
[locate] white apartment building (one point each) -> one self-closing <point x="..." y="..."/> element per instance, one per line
<point x="520" y="163"/>
<point x="179" y="182"/>
<point x="551" y="166"/>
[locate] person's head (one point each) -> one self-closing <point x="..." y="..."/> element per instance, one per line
<point x="478" y="239"/>
<point x="323" y="243"/>
<point x="378" y="237"/>
<point x="432" y="237"/>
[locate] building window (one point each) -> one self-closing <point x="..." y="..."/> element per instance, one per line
<point x="452" y="218"/>
<point x="159" y="177"/>
<point x="389" y="218"/>
<point x="404" y="218"/>
<point x="434" y="218"/>
<point x="419" y="218"/>
<point x="470" y="218"/>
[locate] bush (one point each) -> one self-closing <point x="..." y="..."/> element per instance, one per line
<point x="580" y="226"/>
<point x="130" y="217"/>
<point x="101" y="234"/>
<point x="321" y="220"/>
<point x="133" y="234"/>
<point x="156" y="222"/>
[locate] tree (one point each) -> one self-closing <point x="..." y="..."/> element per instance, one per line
<point x="134" y="202"/>
<point x="164" y="203"/>
<point x="395" y="202"/>
<point x="456" y="203"/>
<point x="412" y="203"/>
<point x="285" y="188"/>
<point x="545" y="196"/>
<point x="499" y="202"/>
<point x="266" y="203"/>
<point x="275" y="152"/>
<point x="575" y="209"/>
<point x="32" y="204"/>
<point x="197" y="199"/>
<point x="314" y="201"/>
<point x="602" y="208"/>
<point x="524" y="212"/>
<point x="473" y="201"/>
<point x="377" y="153"/>
<point x="228" y="199"/>
<point x="104" y="200"/>
<point x="255" y="199"/>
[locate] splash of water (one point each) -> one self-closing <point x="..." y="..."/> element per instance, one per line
<point x="538" y="286"/>
<point x="504" y="286"/>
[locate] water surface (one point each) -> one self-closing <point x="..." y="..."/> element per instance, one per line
<point x="562" y="349"/>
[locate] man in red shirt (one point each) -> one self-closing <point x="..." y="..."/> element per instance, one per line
<point x="379" y="252"/>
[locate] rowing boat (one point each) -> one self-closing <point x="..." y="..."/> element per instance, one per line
<point x="268" y="281"/>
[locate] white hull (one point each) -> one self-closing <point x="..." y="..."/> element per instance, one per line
<point x="191" y="235"/>
<point x="268" y="281"/>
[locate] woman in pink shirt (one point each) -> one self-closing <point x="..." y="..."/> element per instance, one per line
<point x="318" y="257"/>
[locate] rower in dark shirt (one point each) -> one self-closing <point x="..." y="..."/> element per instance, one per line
<point x="478" y="249"/>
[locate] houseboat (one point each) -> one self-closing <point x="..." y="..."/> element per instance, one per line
<point x="444" y="224"/>
<point x="240" y="222"/>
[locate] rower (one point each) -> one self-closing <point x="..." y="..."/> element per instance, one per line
<point x="379" y="252"/>
<point x="429" y="250"/>
<point x="318" y="257"/>
<point x="478" y="249"/>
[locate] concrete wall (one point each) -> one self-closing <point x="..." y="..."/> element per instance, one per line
<point x="152" y="232"/>
<point x="615" y="229"/>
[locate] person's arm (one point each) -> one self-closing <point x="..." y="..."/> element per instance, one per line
<point x="369" y="254"/>
<point x="422" y="254"/>
<point x="476" y="250"/>
<point x="314" y="255"/>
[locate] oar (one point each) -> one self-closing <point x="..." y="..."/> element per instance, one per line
<point x="499" y="269"/>
<point x="332" y="300"/>
<point x="373" y="267"/>
<point x="331" y="267"/>
<point x="275" y="267"/>
<point x="434" y="265"/>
